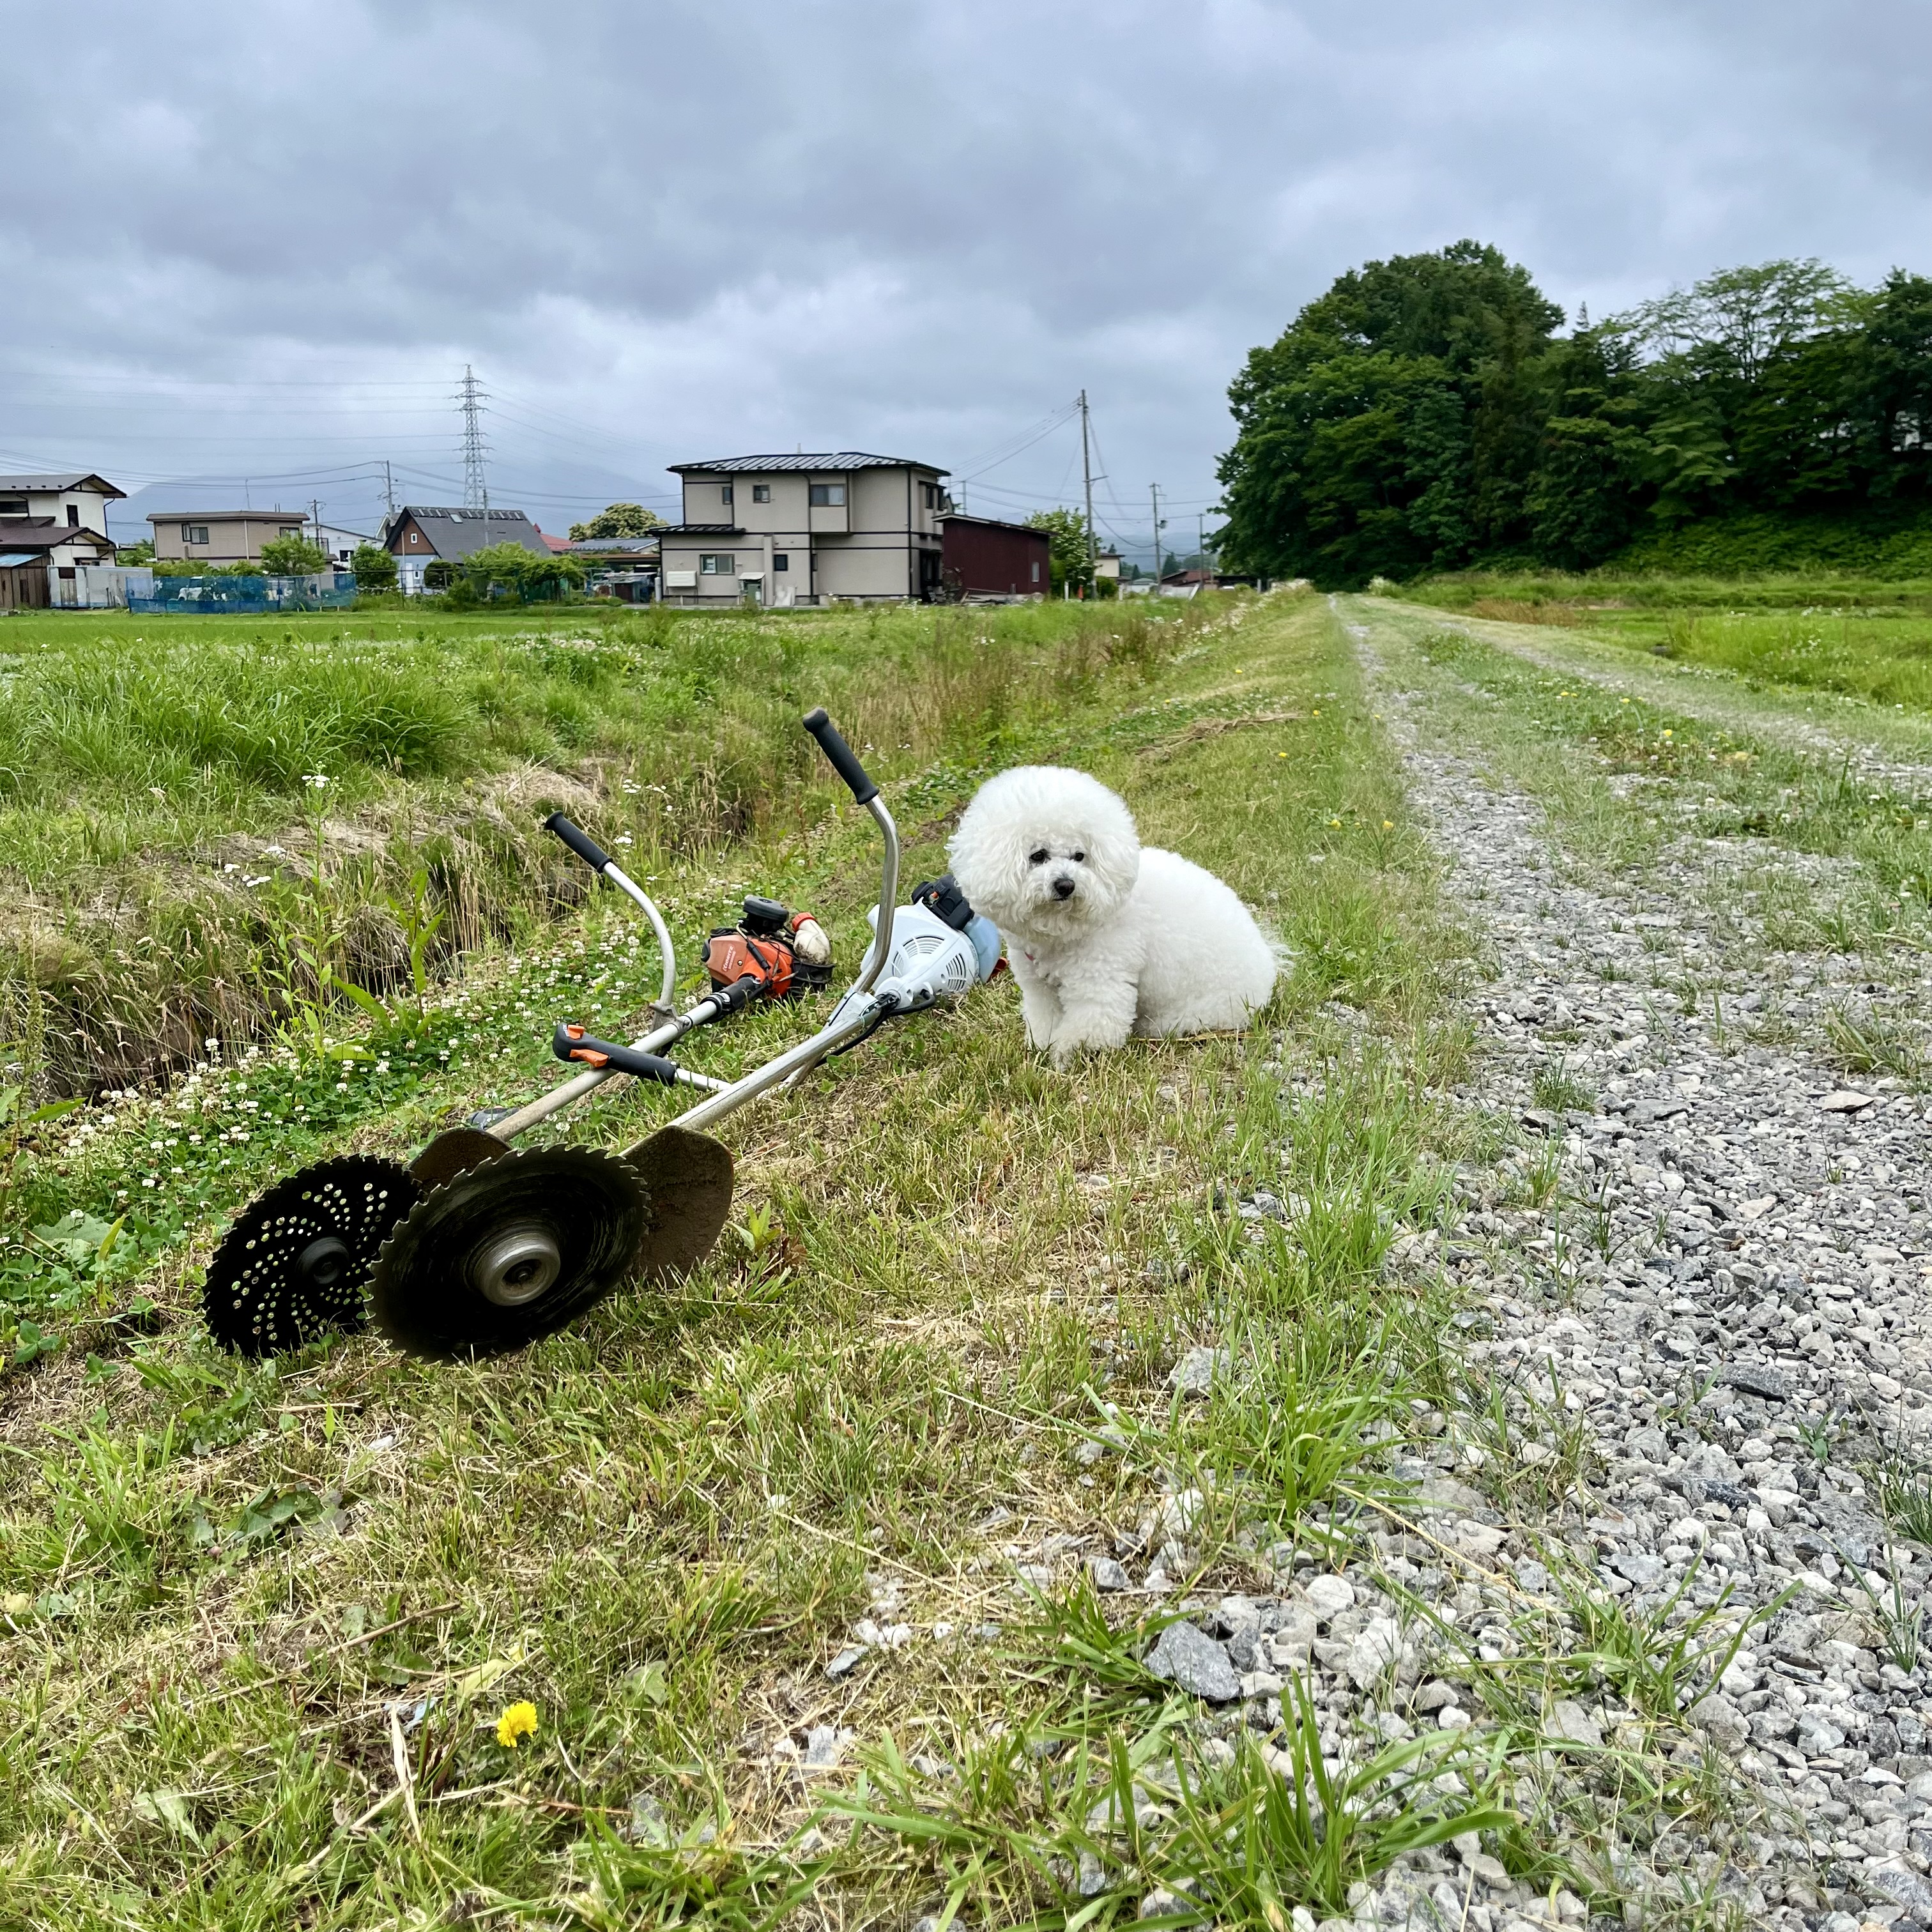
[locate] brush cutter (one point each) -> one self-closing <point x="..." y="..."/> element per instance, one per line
<point x="512" y="1248"/>
<point x="295" y="1263"/>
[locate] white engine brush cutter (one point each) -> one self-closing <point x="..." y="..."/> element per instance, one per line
<point x="512" y="1248"/>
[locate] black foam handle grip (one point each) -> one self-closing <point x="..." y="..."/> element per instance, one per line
<point x="840" y="756"/>
<point x="572" y="1042"/>
<point x="579" y="841"/>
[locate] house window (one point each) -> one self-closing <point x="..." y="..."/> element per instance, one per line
<point x="827" y="496"/>
<point x="13" y="506"/>
<point x="194" y="533"/>
<point x="724" y="495"/>
<point x="73" y="516"/>
<point x="928" y="495"/>
<point x="782" y="559"/>
<point x="761" y="493"/>
<point x="1036" y="573"/>
<point x="717" y="563"/>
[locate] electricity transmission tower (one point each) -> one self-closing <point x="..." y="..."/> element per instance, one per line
<point x="476" y="486"/>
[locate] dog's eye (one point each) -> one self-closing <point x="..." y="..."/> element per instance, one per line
<point x="1080" y="858"/>
<point x="1037" y="858"/>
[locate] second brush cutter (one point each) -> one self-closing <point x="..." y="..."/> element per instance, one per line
<point x="513" y="1248"/>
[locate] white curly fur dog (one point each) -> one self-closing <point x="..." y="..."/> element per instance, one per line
<point x="1107" y="938"/>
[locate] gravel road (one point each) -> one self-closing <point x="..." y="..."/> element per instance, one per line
<point x="1717" y="1315"/>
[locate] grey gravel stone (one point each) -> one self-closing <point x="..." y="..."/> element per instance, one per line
<point x="1194" y="1375"/>
<point x="1188" y="1657"/>
<point x="1106" y="1574"/>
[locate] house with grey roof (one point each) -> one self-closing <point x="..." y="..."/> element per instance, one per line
<point x="418" y="534"/>
<point x="804" y="530"/>
<point x="53" y="528"/>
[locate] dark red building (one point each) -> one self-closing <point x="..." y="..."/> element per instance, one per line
<point x="980" y="556"/>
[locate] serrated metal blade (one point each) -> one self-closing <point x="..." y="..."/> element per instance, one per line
<point x="292" y="1265"/>
<point x="586" y="1210"/>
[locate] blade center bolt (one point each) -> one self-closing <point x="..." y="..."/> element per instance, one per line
<point x="516" y="1265"/>
<point x="324" y="1262"/>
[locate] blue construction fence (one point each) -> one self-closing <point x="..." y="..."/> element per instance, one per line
<point x="245" y="596"/>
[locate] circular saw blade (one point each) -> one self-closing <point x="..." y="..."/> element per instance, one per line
<point x="293" y="1264"/>
<point x="508" y="1251"/>
<point x="454" y="1151"/>
<point x="687" y="1180"/>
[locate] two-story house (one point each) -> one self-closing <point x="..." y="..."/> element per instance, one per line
<point x="52" y="528"/>
<point x="420" y="534"/>
<point x="804" y="530"/>
<point x="215" y="537"/>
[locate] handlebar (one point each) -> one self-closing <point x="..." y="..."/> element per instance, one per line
<point x="579" y="841"/>
<point x="840" y="756"/>
<point x="600" y="862"/>
<point x="866" y="793"/>
<point x="571" y="1042"/>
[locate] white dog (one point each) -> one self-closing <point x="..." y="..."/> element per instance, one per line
<point x="1106" y="939"/>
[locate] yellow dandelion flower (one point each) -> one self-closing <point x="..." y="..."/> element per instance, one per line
<point x="518" y="1721"/>
<point x="1388" y="825"/>
<point x="1334" y="821"/>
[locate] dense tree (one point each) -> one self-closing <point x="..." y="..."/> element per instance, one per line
<point x="374" y="567"/>
<point x="1066" y="546"/>
<point x="1424" y="413"/>
<point x="293" y="555"/>
<point x="617" y="519"/>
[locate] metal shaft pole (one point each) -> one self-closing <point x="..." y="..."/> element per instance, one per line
<point x="1087" y="478"/>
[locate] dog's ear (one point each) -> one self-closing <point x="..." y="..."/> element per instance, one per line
<point x="1114" y="845"/>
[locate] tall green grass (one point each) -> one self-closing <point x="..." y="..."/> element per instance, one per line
<point x="182" y="803"/>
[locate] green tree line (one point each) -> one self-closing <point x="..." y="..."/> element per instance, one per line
<point x="1430" y="412"/>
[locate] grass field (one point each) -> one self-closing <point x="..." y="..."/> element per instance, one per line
<point x="195" y="811"/>
<point x="952" y="1267"/>
<point x="348" y="1640"/>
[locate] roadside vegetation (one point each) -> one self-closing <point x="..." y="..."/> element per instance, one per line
<point x="1863" y="637"/>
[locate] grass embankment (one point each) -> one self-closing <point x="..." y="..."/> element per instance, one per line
<point x="262" y="1621"/>
<point x="176" y="869"/>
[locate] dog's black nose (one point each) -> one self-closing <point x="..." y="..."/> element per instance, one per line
<point x="1063" y="888"/>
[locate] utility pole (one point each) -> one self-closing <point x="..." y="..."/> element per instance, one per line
<point x="476" y="486"/>
<point x="389" y="488"/>
<point x="1087" y="478"/>
<point x="1153" y="490"/>
<point x="315" y="518"/>
<point x="1200" y="541"/>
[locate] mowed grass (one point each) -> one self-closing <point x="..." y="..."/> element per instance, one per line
<point x="197" y="815"/>
<point x="261" y="1622"/>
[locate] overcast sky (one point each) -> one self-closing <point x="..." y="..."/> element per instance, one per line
<point x="251" y="247"/>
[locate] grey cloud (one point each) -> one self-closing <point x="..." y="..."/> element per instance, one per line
<point x="698" y="227"/>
